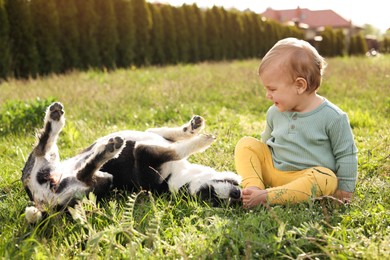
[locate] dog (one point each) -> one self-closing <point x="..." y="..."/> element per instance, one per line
<point x="153" y="160"/>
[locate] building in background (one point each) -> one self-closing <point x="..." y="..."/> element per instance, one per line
<point x="312" y="22"/>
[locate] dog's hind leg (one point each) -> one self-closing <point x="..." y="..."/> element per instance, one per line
<point x="186" y="131"/>
<point x="197" y="144"/>
<point x="175" y="151"/>
<point x="47" y="138"/>
<point x="101" y="155"/>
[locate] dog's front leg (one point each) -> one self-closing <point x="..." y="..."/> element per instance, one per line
<point x="54" y="122"/>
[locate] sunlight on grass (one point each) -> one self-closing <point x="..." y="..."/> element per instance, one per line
<point x="230" y="98"/>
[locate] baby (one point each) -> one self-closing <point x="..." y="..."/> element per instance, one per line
<point x="307" y="148"/>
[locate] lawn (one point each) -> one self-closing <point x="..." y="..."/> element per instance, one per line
<point x="229" y="96"/>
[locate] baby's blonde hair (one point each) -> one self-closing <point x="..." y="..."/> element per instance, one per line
<point x="299" y="58"/>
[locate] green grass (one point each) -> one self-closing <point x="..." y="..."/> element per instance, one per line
<point x="230" y="98"/>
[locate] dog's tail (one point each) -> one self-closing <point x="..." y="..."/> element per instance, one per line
<point x="33" y="214"/>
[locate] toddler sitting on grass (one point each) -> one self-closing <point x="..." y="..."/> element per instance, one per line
<point x="307" y="148"/>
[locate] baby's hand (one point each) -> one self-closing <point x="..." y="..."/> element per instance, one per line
<point x="343" y="196"/>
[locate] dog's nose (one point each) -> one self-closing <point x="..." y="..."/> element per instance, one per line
<point x="235" y="193"/>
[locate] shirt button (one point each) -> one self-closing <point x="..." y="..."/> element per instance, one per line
<point x="292" y="127"/>
<point x="294" y="117"/>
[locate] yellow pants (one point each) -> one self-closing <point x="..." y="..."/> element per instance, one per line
<point x="254" y="163"/>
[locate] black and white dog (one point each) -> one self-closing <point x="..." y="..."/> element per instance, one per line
<point x="154" y="160"/>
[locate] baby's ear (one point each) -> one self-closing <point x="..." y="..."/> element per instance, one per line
<point x="301" y="85"/>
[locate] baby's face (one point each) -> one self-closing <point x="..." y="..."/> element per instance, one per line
<point x="279" y="87"/>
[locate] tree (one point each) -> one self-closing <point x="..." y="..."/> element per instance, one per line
<point x="69" y="37"/>
<point x="199" y="22"/>
<point x="255" y="34"/>
<point x="212" y="34"/>
<point x="156" y="47"/>
<point x="361" y="44"/>
<point x="142" y="23"/>
<point x="216" y="32"/>
<point x="182" y="34"/>
<point x="272" y="33"/>
<point x="262" y="37"/>
<point x="107" y="36"/>
<point x="340" y="43"/>
<point x="170" y="43"/>
<point x="357" y="45"/>
<point x="87" y="20"/>
<point x="385" y="45"/>
<point x="126" y="33"/>
<point x="326" y="46"/>
<point x="235" y="32"/>
<point x="224" y="37"/>
<point x="189" y="12"/>
<point x="5" y="51"/>
<point x="24" y="54"/>
<point x="46" y="32"/>
<point x="248" y="35"/>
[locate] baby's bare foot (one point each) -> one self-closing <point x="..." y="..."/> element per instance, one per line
<point x="253" y="196"/>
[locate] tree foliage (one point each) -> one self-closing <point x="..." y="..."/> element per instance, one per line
<point x="5" y="51"/>
<point x="24" y="54"/>
<point x="333" y="43"/>
<point x="69" y="35"/>
<point x="46" y="33"/>
<point x="39" y="37"/>
<point x="358" y="45"/>
<point x="170" y="36"/>
<point x="87" y="19"/>
<point x="142" y="22"/>
<point x="107" y="36"/>
<point x="126" y="33"/>
<point x="156" y="36"/>
<point x="385" y="45"/>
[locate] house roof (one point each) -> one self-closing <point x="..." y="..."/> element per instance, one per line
<point x="313" y="19"/>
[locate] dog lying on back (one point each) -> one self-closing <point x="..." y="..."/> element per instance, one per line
<point x="154" y="160"/>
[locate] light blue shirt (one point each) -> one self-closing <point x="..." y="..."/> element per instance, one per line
<point x="322" y="137"/>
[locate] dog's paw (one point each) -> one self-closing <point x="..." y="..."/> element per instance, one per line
<point x="33" y="215"/>
<point x="205" y="140"/>
<point x="195" y="125"/>
<point x="114" y="144"/>
<point x="55" y="116"/>
<point x="56" y="111"/>
<point x="208" y="137"/>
